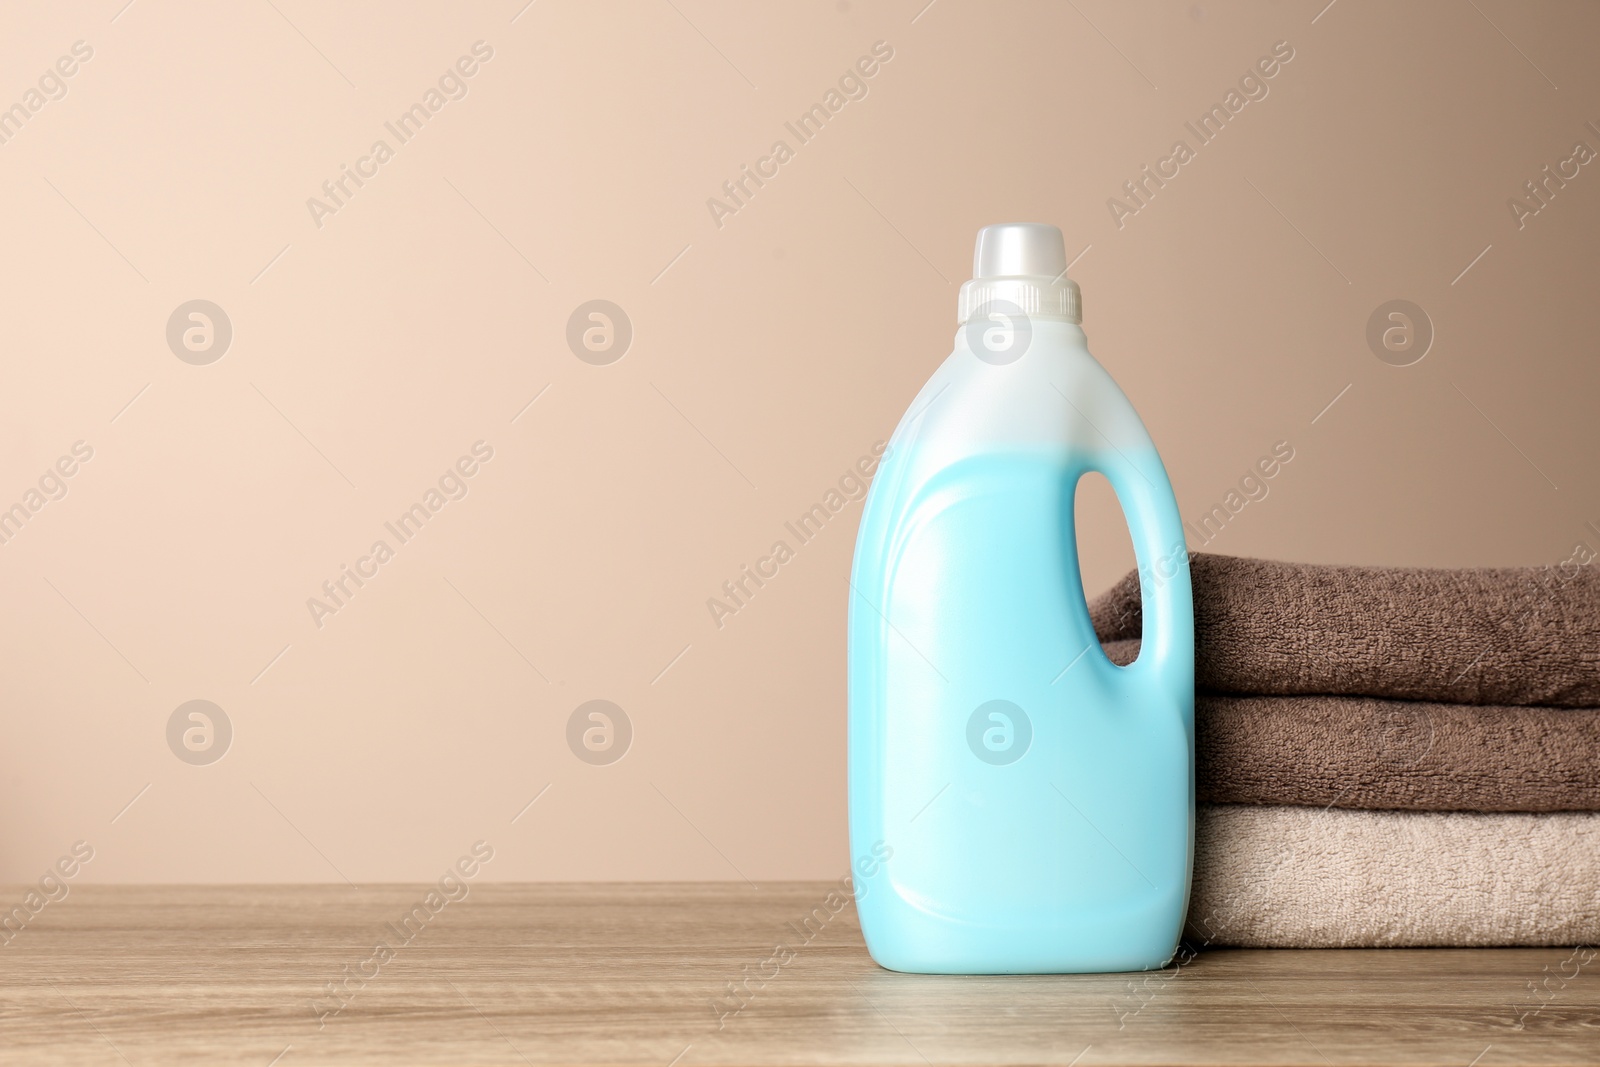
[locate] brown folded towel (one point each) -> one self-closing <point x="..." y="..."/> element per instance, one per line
<point x="1360" y="752"/>
<point x="1519" y="635"/>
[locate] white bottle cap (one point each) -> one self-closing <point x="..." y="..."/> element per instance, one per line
<point x="1025" y="264"/>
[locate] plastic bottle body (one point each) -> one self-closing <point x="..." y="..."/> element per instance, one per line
<point x="1017" y="802"/>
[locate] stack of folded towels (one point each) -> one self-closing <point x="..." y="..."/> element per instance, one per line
<point x="1389" y="756"/>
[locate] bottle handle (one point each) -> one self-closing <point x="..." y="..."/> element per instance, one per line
<point x="1166" y="600"/>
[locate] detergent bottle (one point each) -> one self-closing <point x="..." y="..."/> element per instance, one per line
<point x="1018" y="803"/>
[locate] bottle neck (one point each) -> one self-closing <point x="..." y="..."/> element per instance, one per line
<point x="995" y="341"/>
<point x="1037" y="297"/>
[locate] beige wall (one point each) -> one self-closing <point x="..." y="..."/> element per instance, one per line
<point x="372" y="351"/>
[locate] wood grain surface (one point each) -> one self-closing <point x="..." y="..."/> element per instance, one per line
<point x="640" y="974"/>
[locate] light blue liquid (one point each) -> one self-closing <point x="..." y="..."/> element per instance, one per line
<point x="1075" y="855"/>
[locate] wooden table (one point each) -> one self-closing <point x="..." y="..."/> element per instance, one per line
<point x="639" y="974"/>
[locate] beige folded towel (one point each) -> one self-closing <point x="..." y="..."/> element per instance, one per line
<point x="1288" y="877"/>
